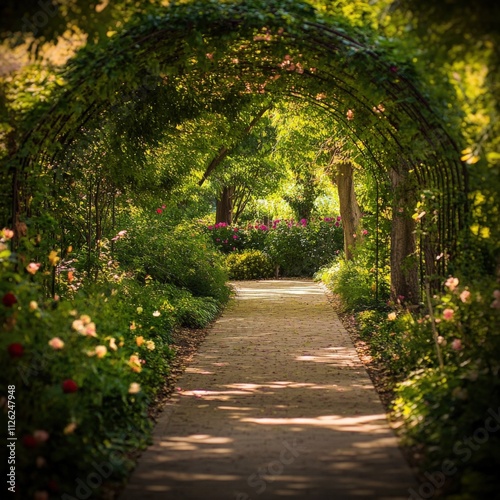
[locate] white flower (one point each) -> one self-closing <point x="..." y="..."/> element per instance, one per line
<point x="156" y="314"/>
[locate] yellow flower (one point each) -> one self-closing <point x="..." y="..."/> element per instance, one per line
<point x="112" y="344"/>
<point x="139" y="310"/>
<point x="85" y="319"/>
<point x="134" y="388"/>
<point x="53" y="258"/>
<point x="132" y="325"/>
<point x="135" y="363"/>
<point x="139" y="341"/>
<point x="391" y="316"/>
<point x="101" y="351"/>
<point x="33" y="305"/>
<point x="150" y="345"/>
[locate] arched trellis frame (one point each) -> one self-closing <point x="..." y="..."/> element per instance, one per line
<point x="269" y="49"/>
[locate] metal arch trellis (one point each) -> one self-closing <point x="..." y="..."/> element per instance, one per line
<point x="165" y="36"/>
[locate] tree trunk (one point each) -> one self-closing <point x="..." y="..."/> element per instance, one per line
<point x="349" y="208"/>
<point x="224" y="209"/>
<point x="404" y="265"/>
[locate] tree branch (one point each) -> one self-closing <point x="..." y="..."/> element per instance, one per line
<point x="224" y="151"/>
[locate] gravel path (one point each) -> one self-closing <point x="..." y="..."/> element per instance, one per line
<point x="275" y="404"/>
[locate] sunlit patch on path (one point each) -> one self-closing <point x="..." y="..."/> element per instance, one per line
<point x="276" y="404"/>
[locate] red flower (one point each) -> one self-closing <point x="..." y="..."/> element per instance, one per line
<point x="53" y="486"/>
<point x="16" y="350"/>
<point x="159" y="211"/>
<point x="69" y="386"/>
<point x="29" y="441"/>
<point x="9" y="299"/>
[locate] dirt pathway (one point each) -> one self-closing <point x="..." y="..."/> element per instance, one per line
<point x="275" y="404"/>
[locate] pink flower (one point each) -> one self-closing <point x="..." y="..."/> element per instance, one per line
<point x="33" y="267"/>
<point x="303" y="222"/>
<point x="210" y="228"/>
<point x="451" y="283"/>
<point x="56" y="343"/>
<point x="465" y="296"/>
<point x="456" y="345"/>
<point x="448" y="314"/>
<point x="164" y="206"/>
<point x="235" y="229"/>
<point x="8" y="234"/>
<point x="41" y="436"/>
<point x="235" y="237"/>
<point x="337" y="224"/>
<point x="350" y="114"/>
<point x="364" y="232"/>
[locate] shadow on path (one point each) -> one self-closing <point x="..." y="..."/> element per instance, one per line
<point x="275" y="404"/>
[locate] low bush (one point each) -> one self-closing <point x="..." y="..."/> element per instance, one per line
<point x="249" y="265"/>
<point x="355" y="284"/>
<point x="182" y="256"/>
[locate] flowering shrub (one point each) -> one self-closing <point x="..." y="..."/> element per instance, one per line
<point x="445" y="410"/>
<point x="298" y="248"/>
<point x="249" y="265"/>
<point x="86" y="365"/>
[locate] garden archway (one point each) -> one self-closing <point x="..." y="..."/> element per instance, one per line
<point x="230" y="53"/>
